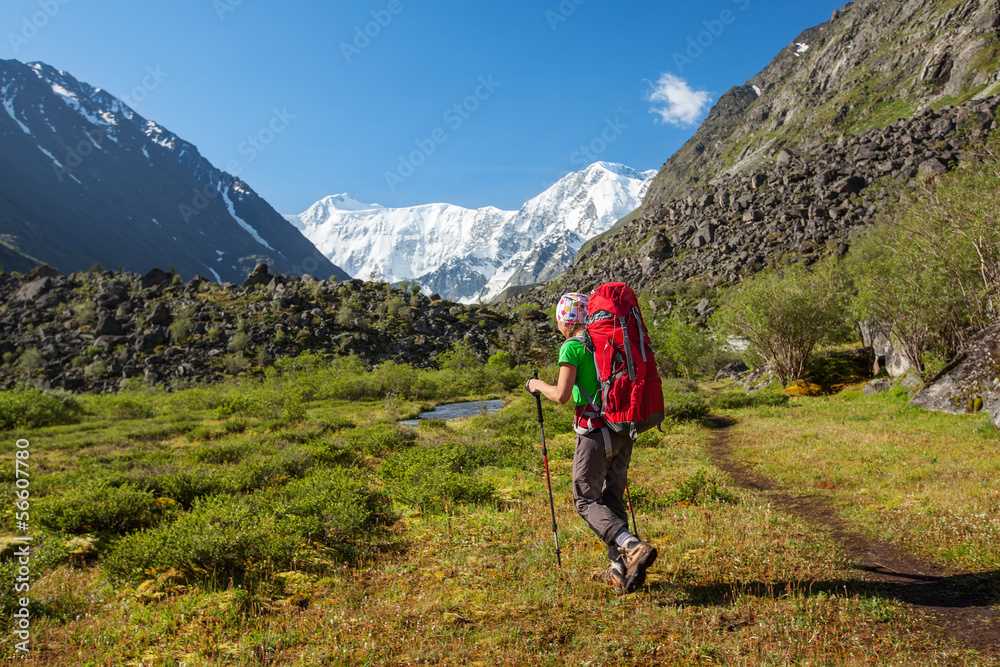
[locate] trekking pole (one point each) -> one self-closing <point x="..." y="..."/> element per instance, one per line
<point x="548" y="478"/>
<point x="635" y="526"/>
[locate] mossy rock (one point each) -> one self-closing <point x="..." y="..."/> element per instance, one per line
<point x="803" y="388"/>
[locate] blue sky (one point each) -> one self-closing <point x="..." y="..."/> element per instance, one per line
<point x="406" y="102"/>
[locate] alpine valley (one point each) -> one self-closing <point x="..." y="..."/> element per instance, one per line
<point x="468" y="255"/>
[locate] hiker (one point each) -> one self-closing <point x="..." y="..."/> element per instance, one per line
<point x="602" y="456"/>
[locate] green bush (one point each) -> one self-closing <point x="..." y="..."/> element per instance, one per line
<point x="239" y="404"/>
<point x="180" y="331"/>
<point x="735" y="400"/>
<point x="380" y="439"/>
<point x="433" y="476"/>
<point x="684" y="349"/>
<point x="247" y="536"/>
<point x="784" y="315"/>
<point x="31" y="360"/>
<point x="929" y="270"/>
<point x="123" y="405"/>
<point x="33" y="408"/>
<point x="99" y="507"/>
<point x="501" y="360"/>
<point x="682" y="407"/>
<point x="240" y="342"/>
<point x="459" y="358"/>
<point x="699" y="488"/>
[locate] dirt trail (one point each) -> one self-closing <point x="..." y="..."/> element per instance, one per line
<point x="960" y="604"/>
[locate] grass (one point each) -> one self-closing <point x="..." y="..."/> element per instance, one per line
<point x="331" y="536"/>
<point x="927" y="481"/>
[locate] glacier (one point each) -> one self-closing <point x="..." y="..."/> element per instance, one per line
<point x="471" y="255"/>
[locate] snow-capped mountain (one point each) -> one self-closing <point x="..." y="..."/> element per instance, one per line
<point x="86" y="180"/>
<point x="465" y="254"/>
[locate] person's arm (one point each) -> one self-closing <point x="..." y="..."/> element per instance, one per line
<point x="561" y="392"/>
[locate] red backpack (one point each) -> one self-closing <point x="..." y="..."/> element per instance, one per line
<point x="631" y="391"/>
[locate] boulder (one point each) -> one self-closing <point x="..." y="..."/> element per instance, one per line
<point x="932" y="167"/>
<point x="850" y="186"/>
<point x="107" y="325"/>
<point x="154" y="277"/>
<point x="111" y="296"/>
<point x="971" y="380"/>
<point x="34" y="289"/>
<point x="896" y="363"/>
<point x="160" y="315"/>
<point x="878" y="386"/>
<point x="732" y="371"/>
<point x="42" y="271"/>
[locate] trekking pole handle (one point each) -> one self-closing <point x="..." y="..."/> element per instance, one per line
<point x="537" y="395"/>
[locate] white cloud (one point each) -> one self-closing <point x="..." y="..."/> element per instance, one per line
<point x="675" y="102"/>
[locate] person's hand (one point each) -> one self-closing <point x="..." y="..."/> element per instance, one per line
<point x="529" y="384"/>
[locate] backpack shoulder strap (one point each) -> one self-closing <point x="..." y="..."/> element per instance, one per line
<point x="582" y="339"/>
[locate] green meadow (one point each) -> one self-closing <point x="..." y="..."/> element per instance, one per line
<point x="291" y="520"/>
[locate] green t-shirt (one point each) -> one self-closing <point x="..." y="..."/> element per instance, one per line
<point x="573" y="352"/>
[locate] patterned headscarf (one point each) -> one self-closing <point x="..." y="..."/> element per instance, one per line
<point x="572" y="308"/>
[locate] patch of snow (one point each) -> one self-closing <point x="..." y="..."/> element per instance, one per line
<point x="218" y="278"/>
<point x="75" y="179"/>
<point x="800" y="49"/>
<point x="73" y="102"/>
<point x="757" y="90"/>
<point x="160" y="136"/>
<point x="157" y="222"/>
<point x="9" y="106"/>
<point x="240" y="221"/>
<point x="50" y="156"/>
<point x="145" y="152"/>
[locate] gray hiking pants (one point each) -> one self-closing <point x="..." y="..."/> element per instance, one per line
<point x="599" y="484"/>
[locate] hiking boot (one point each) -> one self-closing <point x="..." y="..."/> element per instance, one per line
<point x="638" y="556"/>
<point x="613" y="575"/>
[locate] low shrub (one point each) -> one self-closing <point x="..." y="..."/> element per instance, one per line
<point x="242" y="537"/>
<point x="239" y="404"/>
<point x="124" y="405"/>
<point x="699" y="488"/>
<point x="33" y="408"/>
<point x="683" y="407"/>
<point x="431" y="477"/>
<point x="380" y="439"/>
<point x="99" y="507"/>
<point x="736" y="400"/>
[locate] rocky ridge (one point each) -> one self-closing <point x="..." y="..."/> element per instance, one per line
<point x="98" y="331"/>
<point x="799" y="206"/>
<point x="873" y="62"/>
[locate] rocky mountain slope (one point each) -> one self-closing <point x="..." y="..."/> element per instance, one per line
<point x="787" y="166"/>
<point x="797" y="208"/>
<point x="85" y="180"/>
<point x="96" y="331"/>
<point x="873" y="63"/>
<point x="467" y="254"/>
